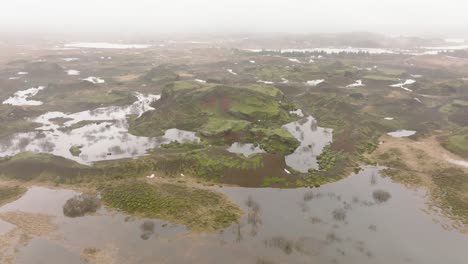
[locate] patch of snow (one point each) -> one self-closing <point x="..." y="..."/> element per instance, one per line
<point x="13" y="78"/>
<point x="315" y="82"/>
<point x="21" y="97"/>
<point x="389" y="118"/>
<point x="94" y="80"/>
<point x="252" y="61"/>
<point x="358" y="83"/>
<point x="402" y="84"/>
<point x="418" y="100"/>
<point x="73" y="72"/>
<point x="402" y="133"/>
<point x="265" y="82"/>
<point x="231" y="72"/>
<point x="288" y="172"/>
<point x="283" y="80"/>
<point x="294" y="60"/>
<point x="22" y="73"/>
<point x="70" y="59"/>
<point x="200" y="81"/>
<point x="150" y="176"/>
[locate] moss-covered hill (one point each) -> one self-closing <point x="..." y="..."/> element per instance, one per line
<point x="222" y="114"/>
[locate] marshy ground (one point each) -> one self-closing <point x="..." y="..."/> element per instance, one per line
<point x="178" y="142"/>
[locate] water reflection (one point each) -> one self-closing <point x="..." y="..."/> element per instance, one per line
<point x="245" y="149"/>
<point x="312" y="138"/>
<point x="97" y="130"/>
<point x="341" y="226"/>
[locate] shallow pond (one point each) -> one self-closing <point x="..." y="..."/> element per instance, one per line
<point x="362" y="219"/>
<point x="103" y="136"/>
<point x="312" y="138"/>
<point x="245" y="149"/>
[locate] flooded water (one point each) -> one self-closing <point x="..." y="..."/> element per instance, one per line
<point x="21" y="97"/>
<point x="245" y="149"/>
<point x="312" y="138"/>
<point x="103" y="136"/>
<point x="362" y="219"/>
<point x="402" y="133"/>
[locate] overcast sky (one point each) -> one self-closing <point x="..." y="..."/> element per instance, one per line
<point x="299" y="16"/>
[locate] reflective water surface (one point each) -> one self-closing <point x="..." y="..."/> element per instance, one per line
<point x="101" y="133"/>
<point x="312" y="138"/>
<point x="362" y="219"/>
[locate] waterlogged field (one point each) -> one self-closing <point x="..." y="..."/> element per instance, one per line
<point x="179" y="152"/>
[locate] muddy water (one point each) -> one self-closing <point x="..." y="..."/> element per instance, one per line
<point x="349" y="221"/>
<point x="312" y="138"/>
<point x="106" y="137"/>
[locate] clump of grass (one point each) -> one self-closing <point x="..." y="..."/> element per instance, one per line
<point x="381" y="196"/>
<point x="198" y="209"/>
<point x="327" y="159"/>
<point x="8" y="193"/>
<point x="75" y="150"/>
<point x="81" y="205"/>
<point x="269" y="181"/>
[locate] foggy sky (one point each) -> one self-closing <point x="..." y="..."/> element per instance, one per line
<point x="295" y="16"/>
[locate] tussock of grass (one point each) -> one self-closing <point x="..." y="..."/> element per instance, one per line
<point x="198" y="209"/>
<point x="10" y="193"/>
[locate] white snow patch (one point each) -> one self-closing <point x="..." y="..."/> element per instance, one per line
<point x="294" y="60"/>
<point x="315" y="82"/>
<point x="94" y="80"/>
<point x="389" y="118"/>
<point x="22" y="73"/>
<point x="358" y="83"/>
<point x="231" y="72"/>
<point x="70" y="59"/>
<point x="418" y="100"/>
<point x="288" y="172"/>
<point x="265" y="82"/>
<point x="402" y="133"/>
<point x="402" y="84"/>
<point x="21" y="97"/>
<point x="73" y="72"/>
<point x="200" y="81"/>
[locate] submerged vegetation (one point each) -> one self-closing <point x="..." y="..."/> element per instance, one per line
<point x="81" y="204"/>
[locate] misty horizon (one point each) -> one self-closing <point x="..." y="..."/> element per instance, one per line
<point x="107" y="18"/>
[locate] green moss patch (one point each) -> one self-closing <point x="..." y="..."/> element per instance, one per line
<point x="198" y="209"/>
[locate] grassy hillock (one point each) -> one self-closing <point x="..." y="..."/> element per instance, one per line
<point x="222" y="115"/>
